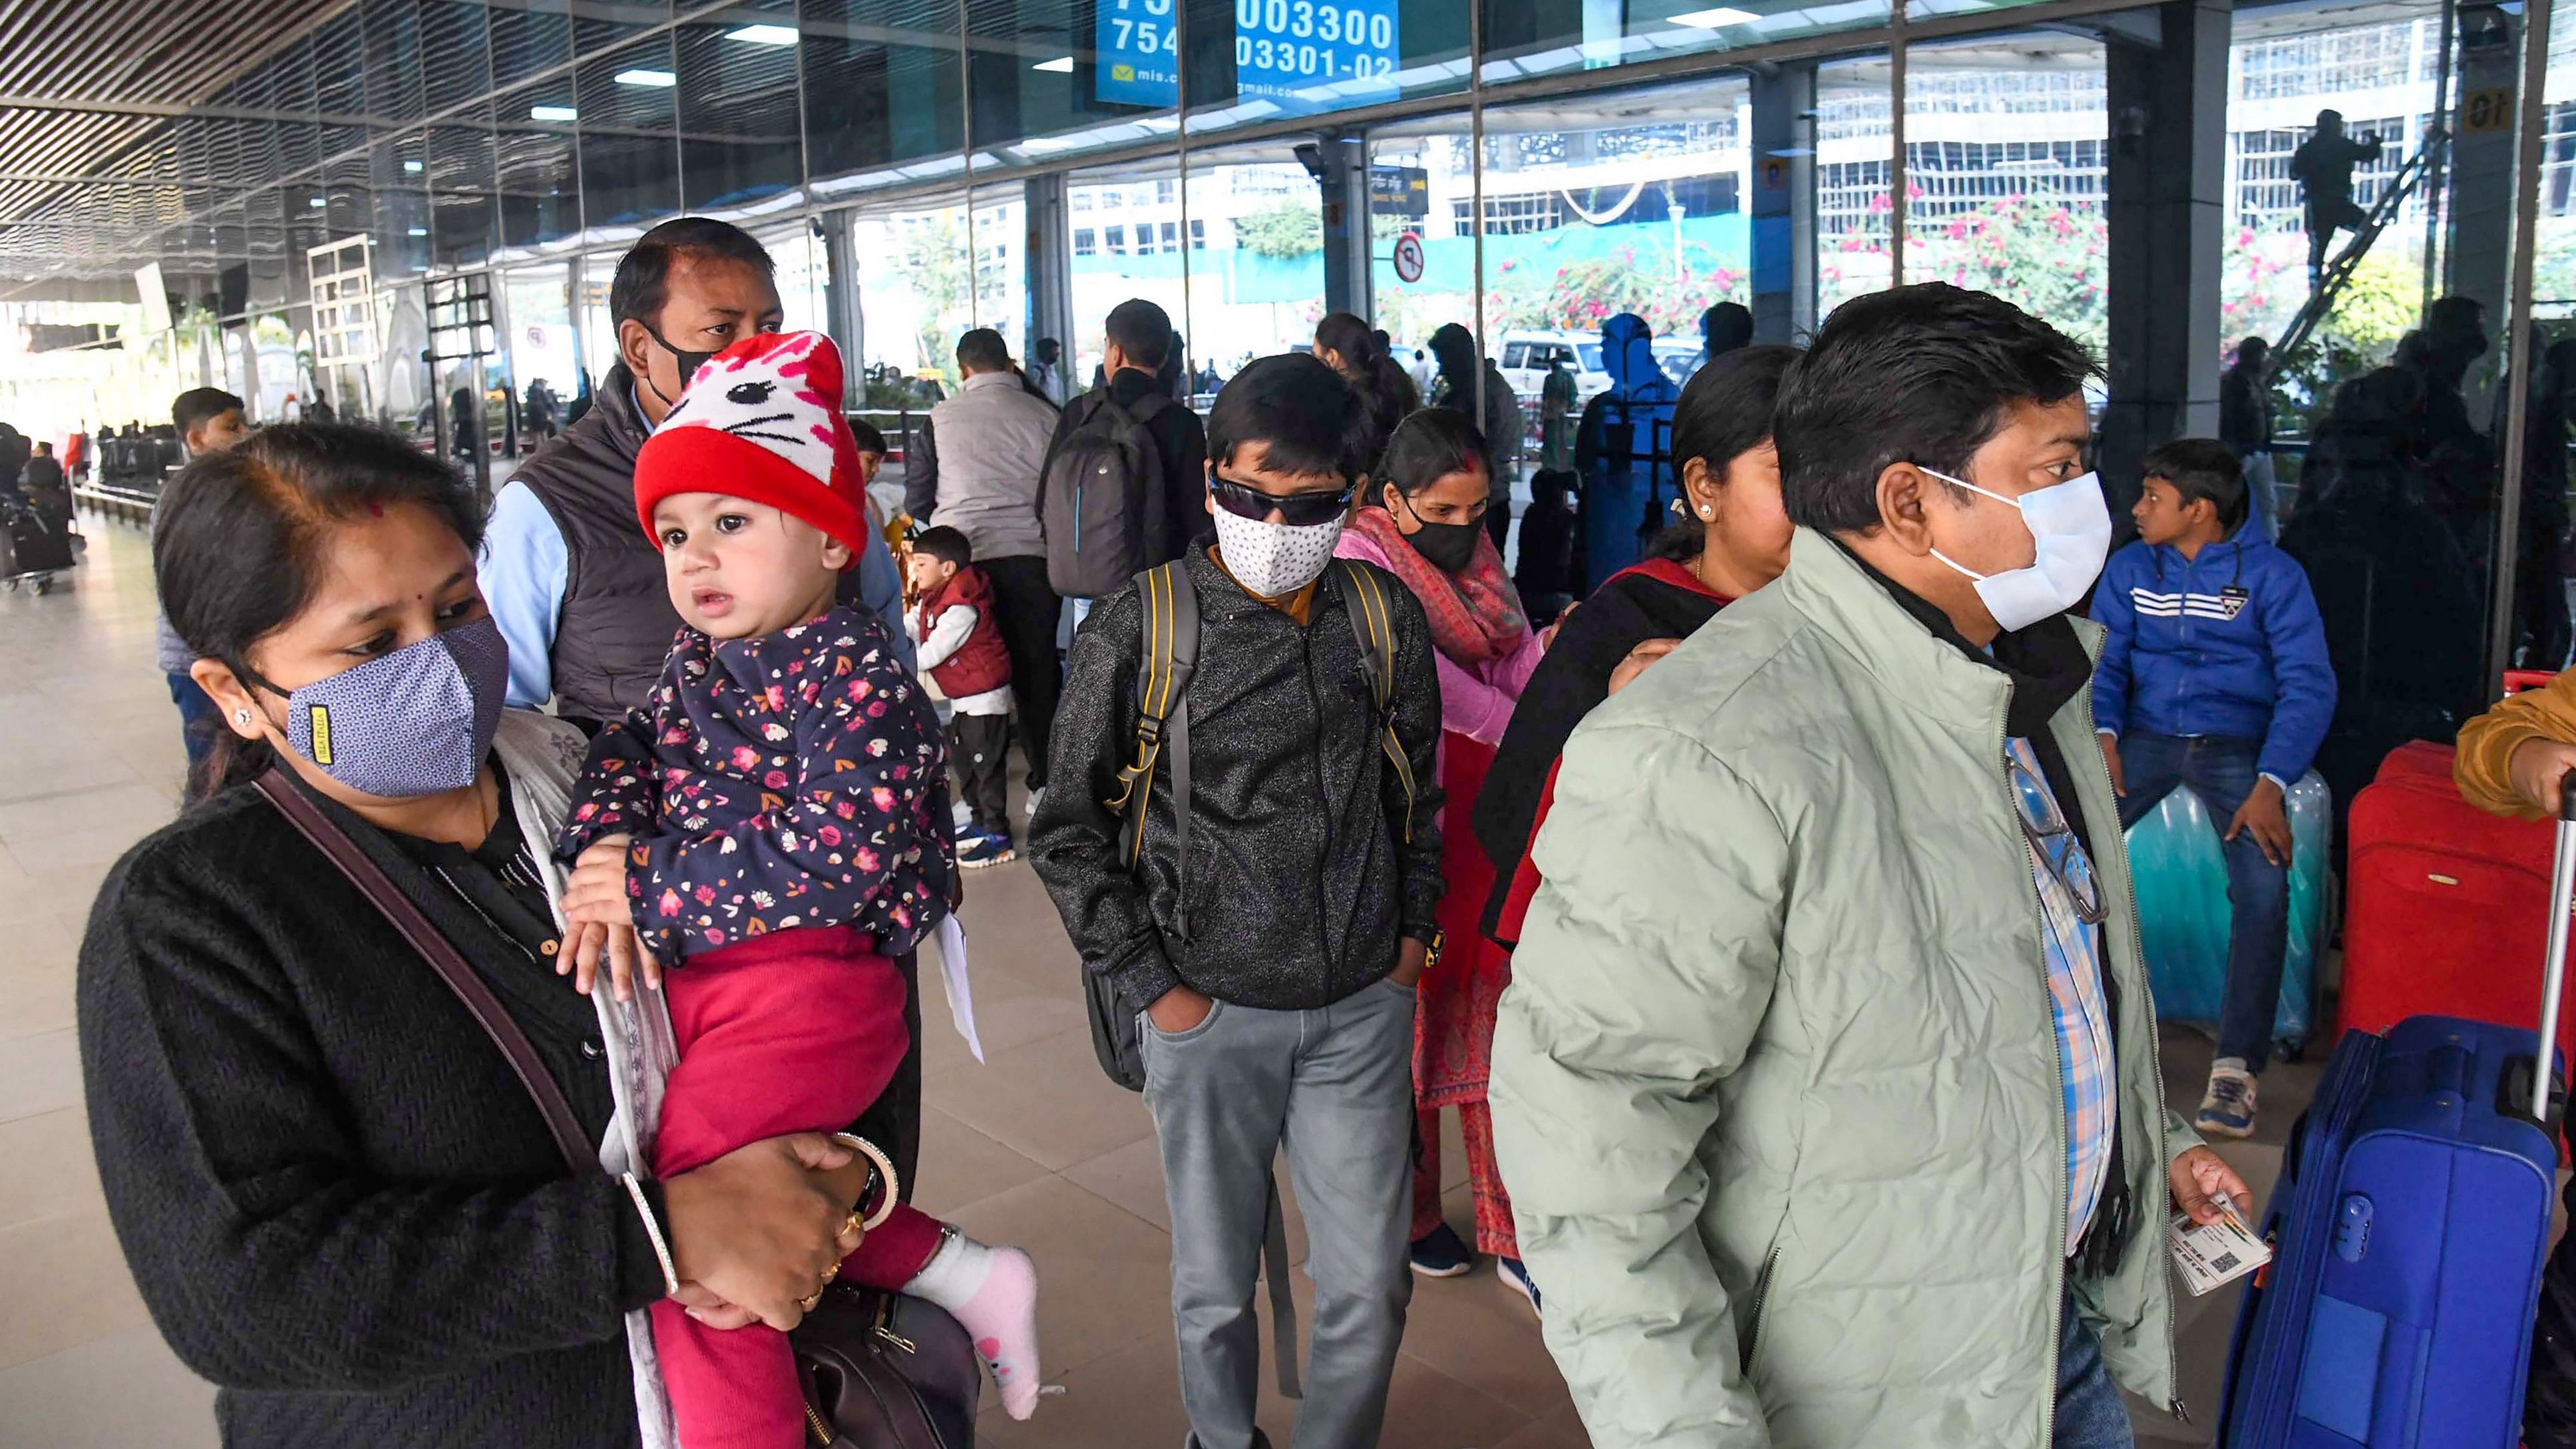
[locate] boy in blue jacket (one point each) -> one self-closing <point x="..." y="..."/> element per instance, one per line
<point x="2215" y="676"/>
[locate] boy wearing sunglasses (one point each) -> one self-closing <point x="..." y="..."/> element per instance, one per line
<point x="1278" y="1007"/>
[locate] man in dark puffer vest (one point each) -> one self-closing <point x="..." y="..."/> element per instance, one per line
<point x="575" y="587"/>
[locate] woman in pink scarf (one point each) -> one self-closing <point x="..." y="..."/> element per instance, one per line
<point x="1425" y="524"/>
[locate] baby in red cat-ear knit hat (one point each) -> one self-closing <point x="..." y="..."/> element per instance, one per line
<point x="773" y="824"/>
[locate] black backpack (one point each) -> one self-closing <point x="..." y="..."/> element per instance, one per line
<point x="1102" y="499"/>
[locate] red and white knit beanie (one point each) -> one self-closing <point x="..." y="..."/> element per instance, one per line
<point x="761" y="421"/>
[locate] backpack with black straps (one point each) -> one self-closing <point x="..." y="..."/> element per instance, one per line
<point x="1102" y="499"/>
<point x="1170" y="627"/>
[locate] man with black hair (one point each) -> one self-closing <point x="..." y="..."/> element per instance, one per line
<point x="1046" y="369"/>
<point x="983" y="482"/>
<point x="2245" y="426"/>
<point x="1274" y="961"/>
<point x="1140" y="344"/>
<point x="2215" y="676"/>
<point x="208" y="420"/>
<point x="1724" y="328"/>
<point x="1826" y="1084"/>
<point x="575" y="586"/>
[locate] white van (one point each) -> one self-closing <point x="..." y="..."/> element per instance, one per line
<point x="1526" y="357"/>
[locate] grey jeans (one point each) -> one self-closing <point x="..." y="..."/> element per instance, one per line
<point x="1334" y="1087"/>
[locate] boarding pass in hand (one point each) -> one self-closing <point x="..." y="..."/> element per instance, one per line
<point x="2216" y="1253"/>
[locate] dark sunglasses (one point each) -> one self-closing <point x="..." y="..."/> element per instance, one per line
<point x="1300" y="510"/>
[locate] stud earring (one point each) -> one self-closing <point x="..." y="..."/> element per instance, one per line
<point x="1707" y="512"/>
<point x="242" y="717"/>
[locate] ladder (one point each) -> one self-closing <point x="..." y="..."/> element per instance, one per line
<point x="2340" y="267"/>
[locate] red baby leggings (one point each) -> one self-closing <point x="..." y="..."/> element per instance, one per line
<point x="796" y="1031"/>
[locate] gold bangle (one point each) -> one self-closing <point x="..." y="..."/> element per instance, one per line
<point x="653" y="1231"/>
<point x="885" y="1168"/>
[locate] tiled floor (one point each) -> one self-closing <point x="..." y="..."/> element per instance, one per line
<point x="1032" y="1146"/>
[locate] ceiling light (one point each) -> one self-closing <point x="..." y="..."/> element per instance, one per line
<point x="418" y="231"/>
<point x="317" y="203"/>
<point x="1061" y="65"/>
<point x="764" y="34"/>
<point x="411" y="166"/>
<point x="658" y="78"/>
<point x="551" y="113"/>
<point x="1712" y="19"/>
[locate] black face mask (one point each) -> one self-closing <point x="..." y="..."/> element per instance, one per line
<point x="689" y="362"/>
<point x="1449" y="546"/>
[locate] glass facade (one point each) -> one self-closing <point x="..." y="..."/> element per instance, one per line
<point x="438" y="190"/>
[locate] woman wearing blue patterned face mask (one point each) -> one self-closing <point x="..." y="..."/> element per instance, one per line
<point x="303" y="1134"/>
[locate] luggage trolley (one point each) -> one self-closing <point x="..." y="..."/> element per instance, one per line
<point x="33" y="549"/>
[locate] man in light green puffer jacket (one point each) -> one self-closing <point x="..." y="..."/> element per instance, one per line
<point x="1826" y="1085"/>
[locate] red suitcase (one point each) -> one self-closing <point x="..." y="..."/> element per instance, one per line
<point x="2443" y="901"/>
<point x="2417" y="759"/>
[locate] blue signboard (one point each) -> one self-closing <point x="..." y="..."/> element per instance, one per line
<point x="1286" y="52"/>
<point x="1285" y="47"/>
<point x="1137" y="63"/>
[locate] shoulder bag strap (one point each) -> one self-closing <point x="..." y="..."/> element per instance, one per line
<point x="371" y="881"/>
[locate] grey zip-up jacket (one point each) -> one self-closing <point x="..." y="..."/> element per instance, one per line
<point x="1307" y="862"/>
<point x="992" y="451"/>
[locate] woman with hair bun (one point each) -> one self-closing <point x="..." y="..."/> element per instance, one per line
<point x="1345" y="342"/>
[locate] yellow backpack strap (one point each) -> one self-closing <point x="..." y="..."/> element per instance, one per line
<point x="1153" y="705"/>
<point x="1373" y="621"/>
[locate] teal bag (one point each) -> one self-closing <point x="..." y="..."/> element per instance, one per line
<point x="2180" y="877"/>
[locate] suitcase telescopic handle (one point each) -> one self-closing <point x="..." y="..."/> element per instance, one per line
<point x="2553" y="984"/>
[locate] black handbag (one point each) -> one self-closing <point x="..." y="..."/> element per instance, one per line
<point x="880" y="1370"/>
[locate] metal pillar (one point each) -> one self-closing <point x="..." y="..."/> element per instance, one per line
<point x="1340" y="169"/>
<point x="573" y="279"/>
<point x="2483" y="183"/>
<point x="842" y="316"/>
<point x="2166" y="191"/>
<point x="2530" y="133"/>
<point x="1050" y="264"/>
<point x="1782" y="201"/>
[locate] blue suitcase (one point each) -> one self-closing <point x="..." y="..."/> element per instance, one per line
<point x="2408" y="1232"/>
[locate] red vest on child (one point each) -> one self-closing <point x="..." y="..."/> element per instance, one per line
<point x="981" y="663"/>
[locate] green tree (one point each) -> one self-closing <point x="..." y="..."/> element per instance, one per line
<point x="2041" y="255"/>
<point x="1582" y="294"/>
<point x="1286" y="228"/>
<point x="2376" y="307"/>
<point x="934" y="263"/>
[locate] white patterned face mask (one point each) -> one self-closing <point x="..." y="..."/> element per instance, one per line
<point x="2070" y="530"/>
<point x="1273" y="560"/>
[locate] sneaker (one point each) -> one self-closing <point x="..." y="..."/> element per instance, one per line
<point x="986" y="850"/>
<point x="1517" y="1278"/>
<point x="2227" y="1109"/>
<point x="1441" y="1253"/>
<point x="963" y="815"/>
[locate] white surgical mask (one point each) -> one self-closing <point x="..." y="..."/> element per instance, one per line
<point x="2070" y="527"/>
<point x="1274" y="560"/>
